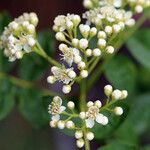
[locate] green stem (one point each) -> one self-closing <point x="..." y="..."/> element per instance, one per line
<point x="87" y="143"/>
<point x="26" y="84"/>
<point x="38" y="49"/>
<point x="120" y="42"/>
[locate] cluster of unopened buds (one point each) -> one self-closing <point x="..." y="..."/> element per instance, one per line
<point x="103" y="24"/>
<point x="19" y="37"/>
<point x="134" y="5"/>
<point x="64" y="117"/>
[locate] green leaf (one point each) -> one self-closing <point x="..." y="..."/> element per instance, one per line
<point x="139" y="46"/>
<point x="102" y="132"/>
<point x="33" y="106"/>
<point x="121" y="73"/>
<point x="145" y="148"/>
<point x="118" y="145"/>
<point x="7" y="98"/>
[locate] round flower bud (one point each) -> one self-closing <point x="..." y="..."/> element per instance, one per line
<point x="108" y="30"/>
<point x="72" y="74"/>
<point x="63" y="47"/>
<point x="138" y="8"/>
<point x="105" y="120"/>
<point x="69" y="124"/>
<point x="31" y="41"/>
<point x="90" y="103"/>
<point x="19" y="54"/>
<point x="93" y="31"/>
<point x="110" y="50"/>
<point x="88" y="52"/>
<point x="87" y="4"/>
<point x="98" y="103"/>
<point x="66" y="89"/>
<point x="82" y="115"/>
<point x="101" y="43"/>
<point x="14" y="25"/>
<point x="118" y="111"/>
<point x="55" y="28"/>
<point x="53" y="69"/>
<point x="108" y="90"/>
<point x="90" y="136"/>
<point x="31" y="28"/>
<point x="53" y="124"/>
<point x="60" y="36"/>
<point x="121" y="24"/>
<point x="70" y="105"/>
<point x="81" y="65"/>
<point x="116" y="94"/>
<point x="102" y="35"/>
<point x="84" y="29"/>
<point x="75" y="42"/>
<point x="76" y="20"/>
<point x="51" y="79"/>
<point x="116" y="28"/>
<point x="77" y="59"/>
<point x="124" y="94"/>
<point x="78" y="134"/>
<point x="69" y="25"/>
<point x="84" y="73"/>
<point x="83" y="43"/>
<point x="130" y="22"/>
<point x="96" y="52"/>
<point x="80" y="143"/>
<point x="61" y="124"/>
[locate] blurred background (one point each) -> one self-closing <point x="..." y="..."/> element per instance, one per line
<point x="22" y="125"/>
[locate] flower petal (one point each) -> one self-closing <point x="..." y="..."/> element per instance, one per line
<point x="62" y="108"/>
<point x="89" y="123"/>
<point x="99" y="118"/>
<point x="56" y="117"/>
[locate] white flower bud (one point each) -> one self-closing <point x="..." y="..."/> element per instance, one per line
<point x="84" y="29"/>
<point x="110" y="50"/>
<point x="60" y="36"/>
<point x="54" y="68"/>
<point x="102" y="35"/>
<point x="108" y="30"/>
<point x="70" y="105"/>
<point x="55" y="28"/>
<point x="31" y="28"/>
<point x="82" y="115"/>
<point x="51" y="79"/>
<point x="88" y="52"/>
<point x="93" y="31"/>
<point x="118" y="111"/>
<point x="63" y="47"/>
<point x="78" y="134"/>
<point x="61" y="124"/>
<point x="69" y="24"/>
<point x="124" y="94"/>
<point x="87" y="4"/>
<point x="76" y="20"/>
<point x="81" y="65"/>
<point x="14" y="25"/>
<point x="116" y="28"/>
<point x="25" y="23"/>
<point x="77" y="59"/>
<point x="90" y="136"/>
<point x="108" y="90"/>
<point x="83" y="43"/>
<point x="105" y="120"/>
<point x="130" y="22"/>
<point x="19" y="54"/>
<point x="90" y="103"/>
<point x="138" y="8"/>
<point x="80" y="143"/>
<point x="98" y="103"/>
<point x="101" y="43"/>
<point x="84" y="73"/>
<point x="121" y="24"/>
<point x="116" y="94"/>
<point x="75" y="42"/>
<point x="69" y="124"/>
<point x="31" y="41"/>
<point x="53" y="124"/>
<point x="72" y="74"/>
<point x="66" y="89"/>
<point x="96" y="52"/>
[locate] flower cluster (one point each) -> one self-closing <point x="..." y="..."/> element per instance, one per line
<point x="135" y="5"/>
<point x="63" y="117"/>
<point x="76" y="49"/>
<point x="19" y="37"/>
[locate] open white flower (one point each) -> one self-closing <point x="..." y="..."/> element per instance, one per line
<point x="61" y="74"/>
<point x="56" y="108"/>
<point x="93" y="114"/>
<point x="69" y="54"/>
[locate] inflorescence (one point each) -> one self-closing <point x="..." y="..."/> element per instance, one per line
<point x="64" y="117"/>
